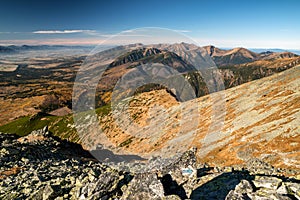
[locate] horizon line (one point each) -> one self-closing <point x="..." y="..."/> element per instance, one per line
<point x="99" y="43"/>
<point x="95" y="42"/>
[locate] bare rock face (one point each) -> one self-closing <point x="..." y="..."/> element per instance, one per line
<point x="62" y="170"/>
<point x="144" y="186"/>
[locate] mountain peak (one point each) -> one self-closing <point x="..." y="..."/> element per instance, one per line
<point x="135" y="55"/>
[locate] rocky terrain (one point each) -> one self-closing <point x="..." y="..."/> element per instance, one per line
<point x="41" y="166"/>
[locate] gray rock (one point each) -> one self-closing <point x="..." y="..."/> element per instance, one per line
<point x="282" y="189"/>
<point x="257" y="166"/>
<point x="267" y="182"/>
<point x="25" y="160"/>
<point x="144" y="186"/>
<point x="44" y="193"/>
<point x="47" y="169"/>
<point x="171" y="197"/>
<point x="293" y="188"/>
<point x="264" y="194"/>
<point x="4" y="152"/>
<point x="233" y="195"/>
<point x="244" y="187"/>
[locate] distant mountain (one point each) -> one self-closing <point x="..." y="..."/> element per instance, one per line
<point x="241" y="55"/>
<point x="220" y="56"/>
<point x="189" y="53"/>
<point x="154" y="55"/>
<point x="5" y="49"/>
<point x="19" y="49"/>
<point x="260" y="50"/>
<point x="234" y="67"/>
<point x="235" y="56"/>
<point x="276" y="55"/>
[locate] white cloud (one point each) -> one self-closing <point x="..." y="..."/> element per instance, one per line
<point x="63" y="31"/>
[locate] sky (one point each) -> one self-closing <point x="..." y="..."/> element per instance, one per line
<point x="250" y="24"/>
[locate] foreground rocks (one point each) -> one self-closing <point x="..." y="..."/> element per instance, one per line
<point x="40" y="166"/>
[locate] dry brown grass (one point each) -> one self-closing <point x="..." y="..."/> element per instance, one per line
<point x="9" y="172"/>
<point x="262" y="120"/>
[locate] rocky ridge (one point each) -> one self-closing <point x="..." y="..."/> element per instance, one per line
<point x="41" y="166"/>
<point x="241" y="55"/>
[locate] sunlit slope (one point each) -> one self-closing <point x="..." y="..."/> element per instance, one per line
<point x="258" y="119"/>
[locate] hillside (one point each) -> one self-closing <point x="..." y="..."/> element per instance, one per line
<point x="260" y="119"/>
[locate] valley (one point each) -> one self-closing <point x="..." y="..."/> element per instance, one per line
<point x="254" y="119"/>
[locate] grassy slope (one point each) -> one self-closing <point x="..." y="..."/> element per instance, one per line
<point x="59" y="126"/>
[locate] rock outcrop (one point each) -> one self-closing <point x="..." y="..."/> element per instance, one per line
<point x="41" y="166"/>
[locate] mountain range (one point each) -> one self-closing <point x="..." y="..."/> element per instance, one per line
<point x="16" y="49"/>
<point x="242" y="55"/>
<point x="233" y="67"/>
<point x="259" y="106"/>
<point x="257" y="111"/>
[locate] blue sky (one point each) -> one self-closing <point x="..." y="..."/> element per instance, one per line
<point x="251" y="24"/>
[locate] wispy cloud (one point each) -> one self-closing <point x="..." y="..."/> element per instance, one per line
<point x="63" y="31"/>
<point x="183" y="31"/>
<point x="87" y="32"/>
<point x="11" y="32"/>
<point x="285" y="30"/>
<point x="163" y="29"/>
<point x="128" y="31"/>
